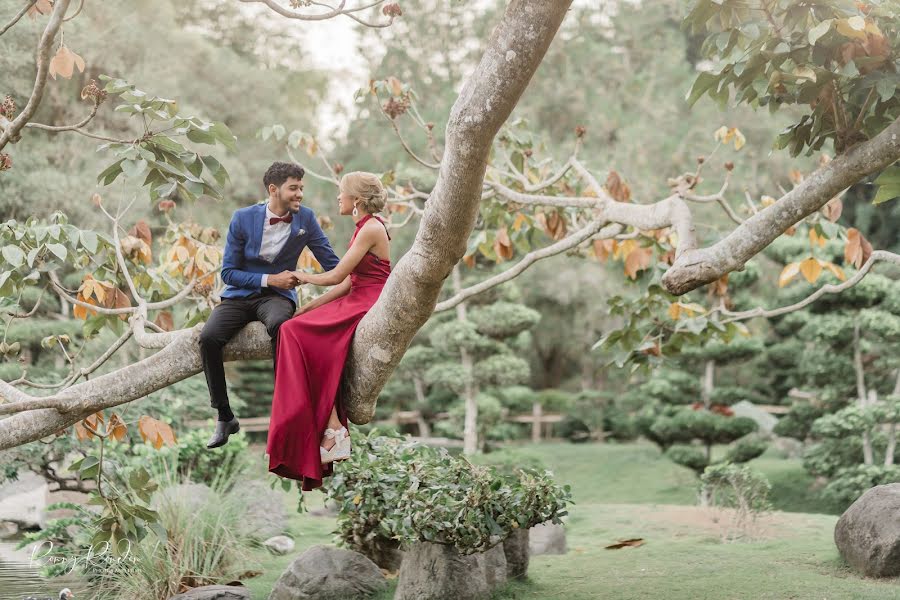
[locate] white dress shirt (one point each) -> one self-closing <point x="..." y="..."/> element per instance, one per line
<point x="273" y="240"/>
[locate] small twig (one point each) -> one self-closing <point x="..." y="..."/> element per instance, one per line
<point x="77" y="12"/>
<point x="594" y="228"/>
<point x="825" y="289"/>
<point x="18" y="16"/>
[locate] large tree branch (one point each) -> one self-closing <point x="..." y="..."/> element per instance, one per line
<point x="697" y="267"/>
<point x="513" y="53"/>
<point x="11" y="131"/>
<point x="177" y="361"/>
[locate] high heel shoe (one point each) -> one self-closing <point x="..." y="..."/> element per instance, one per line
<point x="341" y="449"/>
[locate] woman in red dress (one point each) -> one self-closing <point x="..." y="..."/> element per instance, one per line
<point x="308" y="430"/>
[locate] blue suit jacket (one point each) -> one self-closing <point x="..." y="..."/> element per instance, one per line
<point x="242" y="267"/>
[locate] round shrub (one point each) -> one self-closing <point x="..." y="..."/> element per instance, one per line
<point x="394" y="489"/>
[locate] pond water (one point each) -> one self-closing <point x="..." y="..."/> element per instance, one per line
<point x="18" y="579"/>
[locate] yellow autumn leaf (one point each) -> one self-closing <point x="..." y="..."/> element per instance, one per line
<point x="789" y="272"/>
<point x="519" y="221"/>
<point x="838" y="272"/>
<point x="815" y="238"/>
<point x="674" y="311"/>
<point x="767" y="200"/>
<point x="739" y="139"/>
<point x="357" y="499"/>
<point x="721" y="134"/>
<point x="811" y="269"/>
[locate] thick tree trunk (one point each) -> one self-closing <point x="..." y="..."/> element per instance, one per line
<point x="709" y="375"/>
<point x="513" y="53"/>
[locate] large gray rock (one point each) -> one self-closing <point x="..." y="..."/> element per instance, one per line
<point x="745" y="408"/>
<point x="24" y="501"/>
<point x="493" y="565"/>
<point x="215" y="592"/>
<point x="279" y="544"/>
<point x="547" y="538"/>
<point x="440" y="572"/>
<point x="266" y="514"/>
<point x="868" y="533"/>
<point x="787" y="447"/>
<point x="515" y="547"/>
<point x="329" y="573"/>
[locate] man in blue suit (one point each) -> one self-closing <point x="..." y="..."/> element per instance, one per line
<point x="262" y="248"/>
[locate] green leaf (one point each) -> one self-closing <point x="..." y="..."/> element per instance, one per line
<point x="819" y="30"/>
<point x="89" y="240"/>
<point x="201" y="137"/>
<point x="59" y="250"/>
<point x="13" y="255"/>
<point x="885" y="87"/>
<point x="109" y="174"/>
<point x="701" y="85"/>
<point x="134" y="168"/>
<point x="886" y="193"/>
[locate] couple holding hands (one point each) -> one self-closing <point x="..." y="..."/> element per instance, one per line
<point x="307" y="429"/>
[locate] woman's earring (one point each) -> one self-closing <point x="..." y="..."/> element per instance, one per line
<point x="355" y="211"/>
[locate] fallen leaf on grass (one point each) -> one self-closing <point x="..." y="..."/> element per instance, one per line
<point x="630" y="543"/>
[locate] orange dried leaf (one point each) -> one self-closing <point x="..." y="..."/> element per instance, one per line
<point x="603" y="248"/>
<point x="811" y="269"/>
<point x="142" y="231"/>
<point x="117" y="428"/>
<point x="833" y="209"/>
<point x="617" y="188"/>
<point x="858" y="249"/>
<point x="156" y="432"/>
<point x="789" y="272"/>
<point x="638" y="260"/>
<point x="81" y="432"/>
<point x="165" y="321"/>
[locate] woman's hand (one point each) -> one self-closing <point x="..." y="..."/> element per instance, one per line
<point x="301" y="277"/>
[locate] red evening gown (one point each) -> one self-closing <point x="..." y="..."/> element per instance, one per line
<point x="312" y="349"/>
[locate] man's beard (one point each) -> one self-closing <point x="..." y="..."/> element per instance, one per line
<point x="290" y="208"/>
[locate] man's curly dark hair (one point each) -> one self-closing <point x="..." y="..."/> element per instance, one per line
<point x="279" y="172"/>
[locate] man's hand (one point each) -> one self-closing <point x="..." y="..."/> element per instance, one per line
<point x="284" y="280"/>
<point x="300" y="276"/>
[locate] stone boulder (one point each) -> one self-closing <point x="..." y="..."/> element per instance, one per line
<point x="24" y="501"/>
<point x="266" y="514"/>
<point x="215" y="592"/>
<point x="329" y="573"/>
<point x="439" y="572"/>
<point x="868" y="533"/>
<point x="766" y="421"/>
<point x="515" y="547"/>
<point x="279" y="544"/>
<point x="787" y="447"/>
<point x="547" y="538"/>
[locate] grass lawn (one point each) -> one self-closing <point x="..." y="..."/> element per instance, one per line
<point x="628" y="490"/>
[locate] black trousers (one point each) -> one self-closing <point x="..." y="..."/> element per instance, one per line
<point x="226" y="320"/>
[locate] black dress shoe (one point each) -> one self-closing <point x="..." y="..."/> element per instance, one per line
<point x="223" y="430"/>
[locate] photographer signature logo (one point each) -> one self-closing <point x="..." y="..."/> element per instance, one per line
<point x="100" y="554"/>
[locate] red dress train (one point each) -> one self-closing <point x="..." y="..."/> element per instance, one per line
<point x="312" y="349"/>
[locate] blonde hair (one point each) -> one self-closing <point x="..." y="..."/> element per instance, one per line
<point x="367" y="188"/>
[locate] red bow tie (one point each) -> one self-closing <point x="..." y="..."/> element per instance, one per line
<point x="286" y="219"/>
